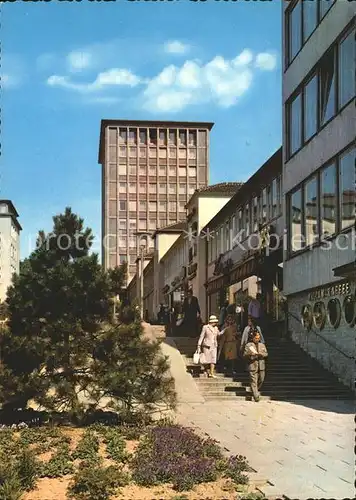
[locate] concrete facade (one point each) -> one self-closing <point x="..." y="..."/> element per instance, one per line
<point x="319" y="134"/>
<point x="149" y="171"/>
<point x="202" y="207"/>
<point x="9" y="245"/>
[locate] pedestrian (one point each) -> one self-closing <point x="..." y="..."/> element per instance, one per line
<point x="208" y="346"/>
<point x="191" y="314"/>
<point x="255" y="354"/>
<point x="248" y="331"/>
<point x="254" y="309"/>
<point x="230" y="345"/>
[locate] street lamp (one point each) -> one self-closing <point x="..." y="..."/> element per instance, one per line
<point x="143" y="239"/>
<point x="142" y="251"/>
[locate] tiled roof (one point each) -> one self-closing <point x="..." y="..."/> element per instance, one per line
<point x="222" y="187"/>
<point x="175" y="227"/>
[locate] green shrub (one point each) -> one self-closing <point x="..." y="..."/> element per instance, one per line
<point x="97" y="483"/>
<point x="27" y="469"/>
<point x="87" y="448"/>
<point x="10" y="489"/>
<point x="59" y="465"/>
<point x="115" y="445"/>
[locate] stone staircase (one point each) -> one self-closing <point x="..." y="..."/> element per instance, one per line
<point x="291" y="374"/>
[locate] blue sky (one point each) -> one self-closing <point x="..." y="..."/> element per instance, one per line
<point x="65" y="66"/>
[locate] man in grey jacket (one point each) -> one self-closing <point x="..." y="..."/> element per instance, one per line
<point x="255" y="354"/>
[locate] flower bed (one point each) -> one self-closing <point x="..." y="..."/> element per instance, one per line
<point x="163" y="461"/>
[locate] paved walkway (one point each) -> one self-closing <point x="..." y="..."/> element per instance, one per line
<point x="306" y="450"/>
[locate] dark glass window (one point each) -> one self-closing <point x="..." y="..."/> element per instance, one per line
<point x="311" y="210"/>
<point x="311" y="108"/>
<point x="347" y="188"/>
<point x="264" y="206"/>
<point x="295" y="124"/>
<point x="328" y="202"/>
<point x="295" y="30"/>
<point x="153" y="136"/>
<point x="274" y="199"/>
<point x="295" y="211"/>
<point x="327" y="87"/>
<point x="310" y="17"/>
<point x="347" y="69"/>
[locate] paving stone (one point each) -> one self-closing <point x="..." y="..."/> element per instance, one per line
<point x="287" y="443"/>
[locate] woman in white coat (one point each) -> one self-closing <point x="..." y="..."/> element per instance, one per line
<point x="208" y="345"/>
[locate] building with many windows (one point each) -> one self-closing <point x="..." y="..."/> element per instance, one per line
<point x="9" y="245"/>
<point x="149" y="171"/>
<point x="319" y="116"/>
<point x="244" y="250"/>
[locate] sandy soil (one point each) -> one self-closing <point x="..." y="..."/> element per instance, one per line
<point x="56" y="489"/>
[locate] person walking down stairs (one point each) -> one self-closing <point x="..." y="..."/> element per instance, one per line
<point x="255" y="353"/>
<point x="248" y="332"/>
<point x="230" y="345"/>
<point x="208" y="345"/>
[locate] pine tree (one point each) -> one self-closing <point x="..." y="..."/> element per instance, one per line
<point x="60" y="317"/>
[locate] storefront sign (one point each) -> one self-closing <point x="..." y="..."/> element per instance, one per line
<point x="343" y="288"/>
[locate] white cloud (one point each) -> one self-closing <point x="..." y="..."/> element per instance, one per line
<point x="220" y="81"/>
<point x="79" y="60"/>
<point x="246" y="57"/>
<point x="112" y="77"/>
<point x="266" y="61"/>
<point x="176" y="47"/>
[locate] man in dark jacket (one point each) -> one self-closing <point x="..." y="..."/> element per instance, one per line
<point x="191" y="314"/>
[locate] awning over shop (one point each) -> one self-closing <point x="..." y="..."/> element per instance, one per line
<point x="215" y="285"/>
<point x="243" y="271"/>
<point x="346" y="271"/>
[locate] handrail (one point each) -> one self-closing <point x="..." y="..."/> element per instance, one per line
<point x="321" y="337"/>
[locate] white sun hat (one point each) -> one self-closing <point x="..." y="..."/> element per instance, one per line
<point x="213" y="319"/>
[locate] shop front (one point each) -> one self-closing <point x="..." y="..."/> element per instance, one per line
<point x="217" y="292"/>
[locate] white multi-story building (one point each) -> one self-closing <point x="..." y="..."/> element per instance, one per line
<point x="319" y="117"/>
<point x="9" y="245"/>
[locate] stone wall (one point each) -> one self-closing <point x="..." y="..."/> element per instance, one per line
<point x="343" y="337"/>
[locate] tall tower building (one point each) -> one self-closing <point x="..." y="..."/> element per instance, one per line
<point x="149" y="171"/>
<point x="9" y="245"/>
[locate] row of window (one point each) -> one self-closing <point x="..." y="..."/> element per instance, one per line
<point x="132" y="152"/>
<point x="263" y="208"/>
<point x="162" y="137"/>
<point x="324" y="204"/>
<point x="151" y="188"/>
<point x="329" y="87"/>
<point x="152" y="206"/>
<point x="319" y="315"/>
<point x="132" y="224"/>
<point x="153" y="171"/>
<point x="301" y="20"/>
